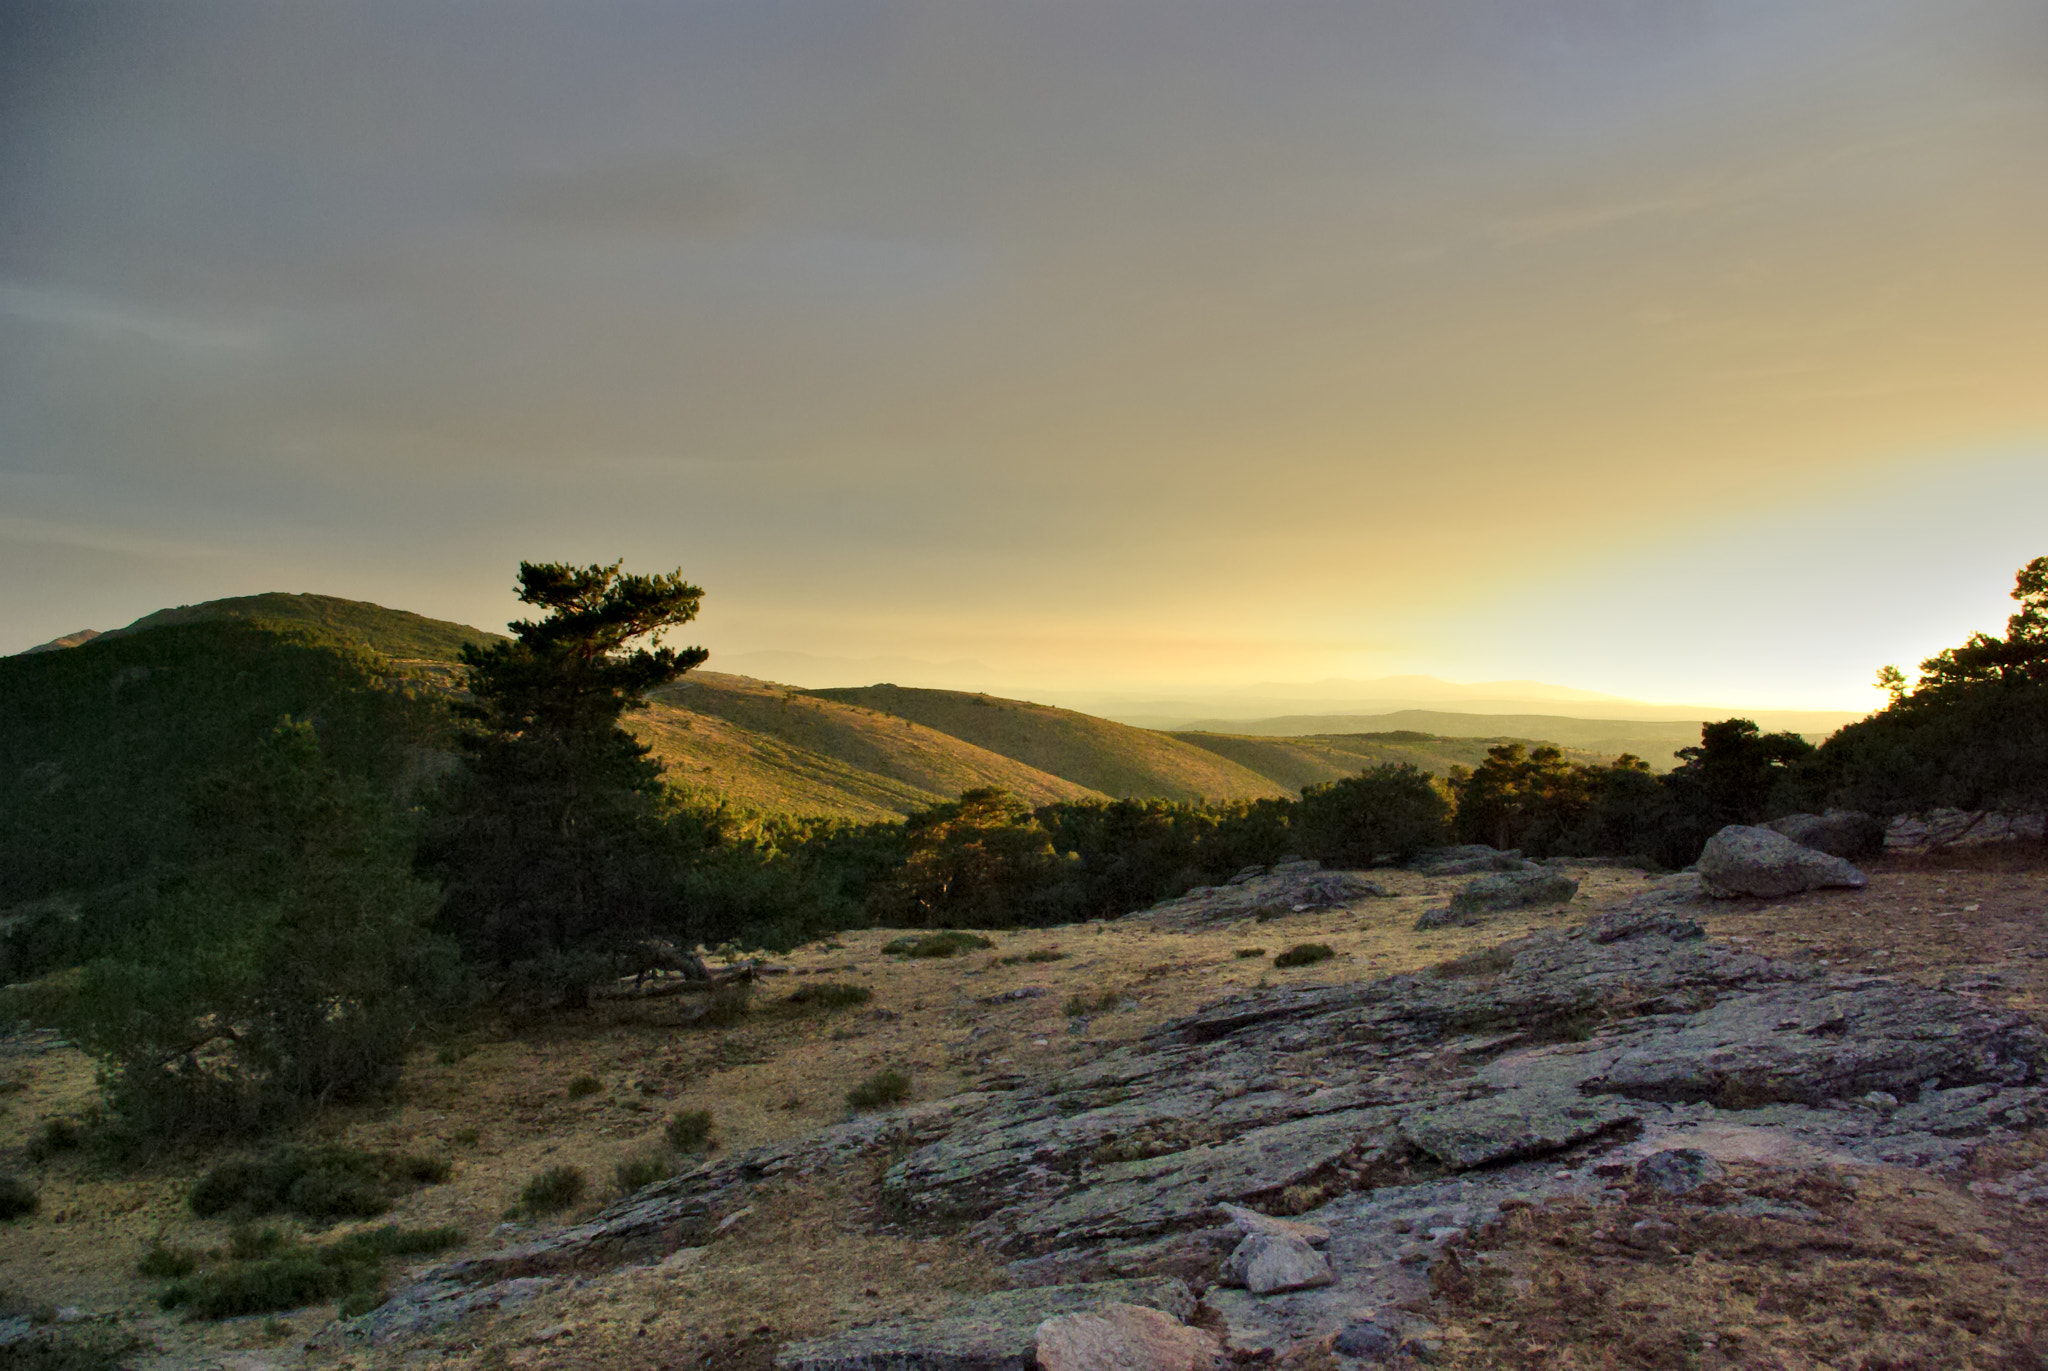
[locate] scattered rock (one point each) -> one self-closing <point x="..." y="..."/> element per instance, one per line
<point x="1367" y="1340"/>
<point x="1470" y="858"/>
<point x="1509" y="1126"/>
<point x="1740" y="860"/>
<point x="1288" y="888"/>
<point x="1846" y="833"/>
<point x="1678" y="1170"/>
<point x="1269" y="1263"/>
<point x="1123" y="1337"/>
<point x="1501" y="890"/>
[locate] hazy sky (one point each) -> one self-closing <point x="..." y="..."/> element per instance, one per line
<point x="1686" y="349"/>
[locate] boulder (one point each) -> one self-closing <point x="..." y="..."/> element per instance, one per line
<point x="1678" y="1170"/>
<point x="1271" y="1263"/>
<point x="1500" y="890"/>
<point x="1740" y="860"/>
<point x="1845" y="833"/>
<point x="1367" y="1340"/>
<point x="1123" y="1337"/>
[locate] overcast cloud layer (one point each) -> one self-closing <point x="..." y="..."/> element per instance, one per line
<point x="1688" y="350"/>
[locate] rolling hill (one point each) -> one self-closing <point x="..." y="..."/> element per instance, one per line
<point x="776" y="749"/>
<point x="875" y="752"/>
<point x="1109" y="758"/>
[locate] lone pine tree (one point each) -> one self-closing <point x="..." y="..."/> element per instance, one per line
<point x="550" y="838"/>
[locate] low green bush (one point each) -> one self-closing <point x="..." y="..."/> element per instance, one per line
<point x="949" y="943"/>
<point x="164" y="1263"/>
<point x="313" y="1182"/>
<point x="885" y="1087"/>
<point x="829" y="995"/>
<point x="17" y="1199"/>
<point x="55" y="1136"/>
<point x="281" y="1273"/>
<point x="637" y="1172"/>
<point x="583" y="1087"/>
<point x="553" y="1190"/>
<point x="689" y="1130"/>
<point x="1305" y="954"/>
<point x="1247" y="953"/>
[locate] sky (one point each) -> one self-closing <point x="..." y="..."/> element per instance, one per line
<point x="1691" y="351"/>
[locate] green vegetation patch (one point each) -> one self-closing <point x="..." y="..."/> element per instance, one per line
<point x="1102" y="1003"/>
<point x="553" y="1190"/>
<point x="886" y="1087"/>
<point x="280" y="1273"/>
<point x="1305" y="954"/>
<point x="314" y="1183"/>
<point x="17" y="1198"/>
<point x="583" y="1087"/>
<point x="1247" y="953"/>
<point x="830" y="995"/>
<point x="689" y="1130"/>
<point x="949" y="943"/>
<point x="641" y="1170"/>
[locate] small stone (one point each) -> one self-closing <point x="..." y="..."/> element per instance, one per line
<point x="1881" y="1099"/>
<point x="1123" y="1337"/>
<point x="1366" y="1339"/>
<point x="1268" y="1264"/>
<point x="1678" y="1170"/>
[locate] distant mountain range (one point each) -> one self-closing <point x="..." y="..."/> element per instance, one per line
<point x="880" y="751"/>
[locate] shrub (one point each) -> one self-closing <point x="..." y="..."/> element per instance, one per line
<point x="634" y="1173"/>
<point x="689" y="1130"/>
<point x="56" y="1135"/>
<point x="164" y="1263"/>
<point x="727" y="1004"/>
<point x="1305" y="954"/>
<point x="583" y="1087"/>
<point x="467" y="1137"/>
<point x="885" y="1087"/>
<point x="313" y="1182"/>
<point x="949" y="943"/>
<point x="828" y="995"/>
<point x="1247" y="953"/>
<point x="281" y="1274"/>
<point x="1078" y="1005"/>
<point x="553" y="1190"/>
<point x="17" y="1198"/>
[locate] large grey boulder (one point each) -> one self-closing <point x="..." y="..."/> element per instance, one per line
<point x="1845" y="833"/>
<point x="1740" y="860"/>
<point x="1270" y="1263"/>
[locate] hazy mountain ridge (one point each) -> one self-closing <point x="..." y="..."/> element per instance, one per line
<point x="880" y="751"/>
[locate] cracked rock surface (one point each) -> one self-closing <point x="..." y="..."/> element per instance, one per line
<point x="1384" y="1118"/>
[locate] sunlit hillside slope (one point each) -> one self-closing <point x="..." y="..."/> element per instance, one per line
<point x="781" y="750"/>
<point x="1112" y="758"/>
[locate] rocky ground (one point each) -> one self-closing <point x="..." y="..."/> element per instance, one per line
<point x="1642" y="1128"/>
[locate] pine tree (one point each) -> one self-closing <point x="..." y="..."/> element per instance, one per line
<point x="550" y="841"/>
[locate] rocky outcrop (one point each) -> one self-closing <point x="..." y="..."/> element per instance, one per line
<point x="1846" y="833"/>
<point x="1468" y="860"/>
<point x="1297" y="887"/>
<point x="1501" y="890"/>
<point x="1356" y="1129"/>
<point x="1740" y="860"/>
<point x="1123" y="1337"/>
<point x="998" y="1332"/>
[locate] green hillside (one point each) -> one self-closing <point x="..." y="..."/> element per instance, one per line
<point x="396" y="633"/>
<point x="1111" y="758"/>
<point x="102" y="744"/>
<point x="781" y="750"/>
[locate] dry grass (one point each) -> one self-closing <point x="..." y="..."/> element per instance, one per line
<point x="1899" y="1272"/>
